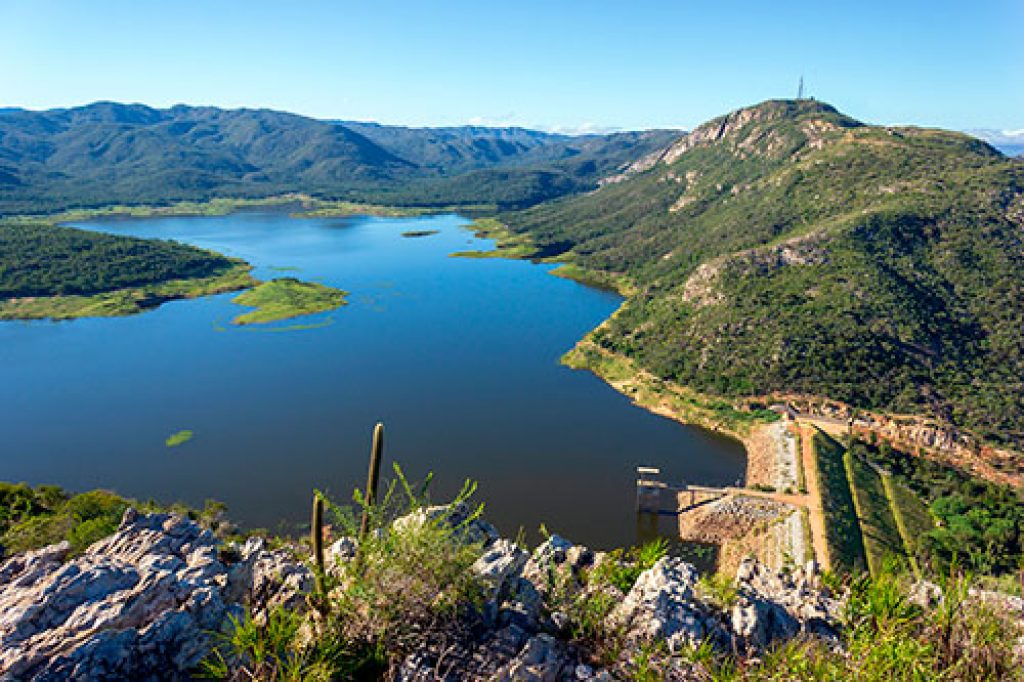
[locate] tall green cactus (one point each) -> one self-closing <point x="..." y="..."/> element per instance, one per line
<point x="372" y="478"/>
<point x="317" y="536"/>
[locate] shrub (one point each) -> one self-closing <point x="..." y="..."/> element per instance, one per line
<point x="410" y="580"/>
<point x="622" y="567"/>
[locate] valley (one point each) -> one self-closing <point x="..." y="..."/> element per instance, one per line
<point x="490" y="342"/>
<point x="760" y="219"/>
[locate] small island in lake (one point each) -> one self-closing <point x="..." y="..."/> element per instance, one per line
<point x="285" y="298"/>
<point x="419" y="233"/>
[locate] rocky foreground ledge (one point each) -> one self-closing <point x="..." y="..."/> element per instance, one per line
<point x="143" y="604"/>
<point x="140" y="604"/>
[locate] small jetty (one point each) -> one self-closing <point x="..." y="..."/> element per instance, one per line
<point x="655" y="496"/>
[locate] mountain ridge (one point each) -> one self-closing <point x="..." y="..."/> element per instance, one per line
<point x="108" y="152"/>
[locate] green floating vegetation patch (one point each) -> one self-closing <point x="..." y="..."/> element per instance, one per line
<point x="179" y="438"/>
<point x="287" y="297"/>
<point x="842" y="530"/>
<point x="419" y="233"/>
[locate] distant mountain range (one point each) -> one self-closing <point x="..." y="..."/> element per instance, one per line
<point x="108" y="152"/>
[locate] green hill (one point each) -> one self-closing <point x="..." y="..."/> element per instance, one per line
<point x="789" y="248"/>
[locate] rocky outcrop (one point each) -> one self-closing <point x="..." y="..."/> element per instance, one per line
<point x="465" y="522"/>
<point x="701" y="287"/>
<point x="775" y="605"/>
<point x="663" y="607"/>
<point x="144" y="603"/>
<point x="139" y="605"/>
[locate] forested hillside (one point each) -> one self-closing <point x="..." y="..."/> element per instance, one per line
<point x="115" y="153"/>
<point x="789" y="248"/>
<point x="44" y="260"/>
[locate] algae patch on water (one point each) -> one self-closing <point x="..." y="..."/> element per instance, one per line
<point x="179" y="438"/>
<point x="285" y="298"/>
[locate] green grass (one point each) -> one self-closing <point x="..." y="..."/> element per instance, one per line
<point x="178" y="438"/>
<point x="212" y="207"/>
<point x="285" y="298"/>
<point x="620" y="284"/>
<point x="912" y="517"/>
<point x="373" y="611"/>
<point x="842" y="530"/>
<point x="977" y="524"/>
<point x="878" y="527"/>
<point x="127" y="301"/>
<point x="311" y="207"/>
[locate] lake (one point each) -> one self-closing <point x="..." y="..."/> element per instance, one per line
<point x="458" y="357"/>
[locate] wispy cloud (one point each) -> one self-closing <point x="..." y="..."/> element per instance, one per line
<point x="586" y="128"/>
<point x="511" y="120"/>
<point x="999" y="136"/>
<point x="508" y="120"/>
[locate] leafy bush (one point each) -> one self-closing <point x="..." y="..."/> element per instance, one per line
<point x="621" y="567"/>
<point x="31" y="518"/>
<point x="409" y="580"/>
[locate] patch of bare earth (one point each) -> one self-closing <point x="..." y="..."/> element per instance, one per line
<point x="740" y="525"/>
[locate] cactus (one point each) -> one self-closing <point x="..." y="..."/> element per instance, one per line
<point x="317" y="536"/>
<point x="372" y="478"/>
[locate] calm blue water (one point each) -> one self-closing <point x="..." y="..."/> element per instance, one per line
<point x="458" y="357"/>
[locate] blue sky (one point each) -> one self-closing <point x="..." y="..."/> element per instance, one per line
<point x="558" y="65"/>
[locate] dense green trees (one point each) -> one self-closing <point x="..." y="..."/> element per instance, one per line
<point x="44" y="260"/>
<point x="114" y="153"/>
<point x="980" y="525"/>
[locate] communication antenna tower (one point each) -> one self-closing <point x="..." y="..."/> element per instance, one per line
<point x="800" y="88"/>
